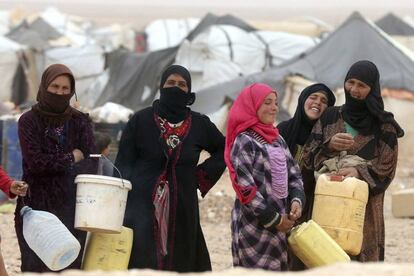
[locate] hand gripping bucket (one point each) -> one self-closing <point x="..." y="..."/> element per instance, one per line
<point x="100" y="203"/>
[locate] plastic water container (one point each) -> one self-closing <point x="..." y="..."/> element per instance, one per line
<point x="314" y="247"/>
<point x="108" y="251"/>
<point x="100" y="203"/>
<point x="339" y="208"/>
<point x="49" y="238"/>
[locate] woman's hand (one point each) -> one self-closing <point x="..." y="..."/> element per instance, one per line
<point x="78" y="155"/>
<point x="341" y="141"/>
<point x="295" y="211"/>
<point x="349" y="172"/>
<point x="285" y="224"/>
<point x="19" y="188"/>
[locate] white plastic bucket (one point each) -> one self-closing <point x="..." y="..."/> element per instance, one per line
<point x="100" y="203"/>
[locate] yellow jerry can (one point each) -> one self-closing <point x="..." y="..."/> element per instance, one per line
<point x="339" y="208"/>
<point x="108" y="251"/>
<point x="314" y="247"/>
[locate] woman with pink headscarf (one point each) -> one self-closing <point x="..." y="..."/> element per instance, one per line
<point x="266" y="179"/>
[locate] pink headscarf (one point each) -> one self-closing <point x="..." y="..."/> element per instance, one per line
<point x="242" y="116"/>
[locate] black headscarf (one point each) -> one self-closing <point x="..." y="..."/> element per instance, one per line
<point x="173" y="101"/>
<point x="297" y="130"/>
<point x="367" y="115"/>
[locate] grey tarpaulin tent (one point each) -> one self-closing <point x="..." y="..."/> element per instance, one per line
<point x="35" y="35"/>
<point x="393" y="25"/>
<point x="133" y="80"/>
<point x="328" y="62"/>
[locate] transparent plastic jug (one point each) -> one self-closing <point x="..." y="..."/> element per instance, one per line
<point x="49" y="238"/>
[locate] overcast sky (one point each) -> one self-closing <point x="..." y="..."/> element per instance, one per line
<point x="139" y="12"/>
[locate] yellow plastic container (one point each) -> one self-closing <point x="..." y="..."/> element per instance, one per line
<point x="339" y="208"/>
<point x="108" y="251"/>
<point x="314" y="247"/>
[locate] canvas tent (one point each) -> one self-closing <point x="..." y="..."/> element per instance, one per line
<point x="394" y="25"/>
<point x="34" y="35"/>
<point x="4" y="22"/>
<point x="306" y="25"/>
<point x="167" y="33"/>
<point x="400" y="29"/>
<point x="134" y="78"/>
<point x="82" y="55"/>
<point x="225" y="52"/>
<point x="327" y="62"/>
<point x="71" y="27"/>
<point x="114" y="36"/>
<point x="86" y="62"/>
<point x="10" y="53"/>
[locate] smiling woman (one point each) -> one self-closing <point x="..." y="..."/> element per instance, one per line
<point x="266" y="180"/>
<point x="269" y="109"/>
<point x="312" y="102"/>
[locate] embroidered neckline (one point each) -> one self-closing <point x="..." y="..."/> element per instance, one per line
<point x="172" y="135"/>
<point x="175" y="125"/>
<point x="259" y="138"/>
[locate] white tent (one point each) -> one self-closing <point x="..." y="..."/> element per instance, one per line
<point x="225" y="52"/>
<point x="114" y="36"/>
<point x="304" y="25"/>
<point x="165" y="33"/>
<point x="86" y="62"/>
<point x="9" y="61"/>
<point x="72" y="27"/>
<point x="4" y="22"/>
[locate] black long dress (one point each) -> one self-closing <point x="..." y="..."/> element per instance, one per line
<point x="142" y="159"/>
<point x="49" y="169"/>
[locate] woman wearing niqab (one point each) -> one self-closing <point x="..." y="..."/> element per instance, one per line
<point x="55" y="140"/>
<point x="159" y="152"/>
<point x="363" y="128"/>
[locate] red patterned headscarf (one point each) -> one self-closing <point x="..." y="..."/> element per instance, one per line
<point x="243" y="116"/>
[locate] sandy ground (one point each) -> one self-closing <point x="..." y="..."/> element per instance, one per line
<point x="215" y="218"/>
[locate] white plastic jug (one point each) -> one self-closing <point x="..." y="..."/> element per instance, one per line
<point x="49" y="238"/>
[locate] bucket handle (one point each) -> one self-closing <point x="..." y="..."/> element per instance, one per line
<point x="98" y="155"/>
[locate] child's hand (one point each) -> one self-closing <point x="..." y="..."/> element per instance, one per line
<point x="19" y="188"/>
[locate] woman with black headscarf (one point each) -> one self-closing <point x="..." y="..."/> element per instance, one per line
<point x="363" y="128"/>
<point x="158" y="152"/>
<point x="55" y="140"/>
<point x="312" y="102"/>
